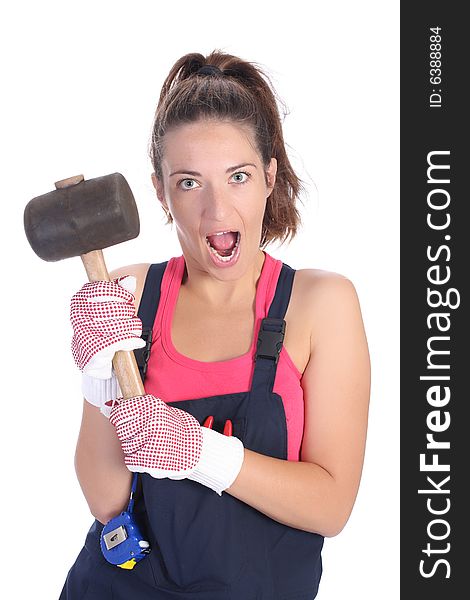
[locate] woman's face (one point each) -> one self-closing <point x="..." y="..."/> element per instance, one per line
<point x="214" y="185"/>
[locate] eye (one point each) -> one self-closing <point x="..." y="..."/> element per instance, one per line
<point x="242" y="176"/>
<point x="186" y="184"/>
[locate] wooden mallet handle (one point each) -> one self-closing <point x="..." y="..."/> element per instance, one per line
<point x="124" y="363"/>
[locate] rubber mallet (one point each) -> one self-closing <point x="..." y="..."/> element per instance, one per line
<point x="80" y="218"/>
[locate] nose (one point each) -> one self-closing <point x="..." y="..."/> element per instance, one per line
<point x="217" y="204"/>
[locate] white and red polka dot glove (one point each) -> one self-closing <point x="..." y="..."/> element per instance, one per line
<point x="103" y="319"/>
<point x="156" y="438"/>
<point x="169" y="442"/>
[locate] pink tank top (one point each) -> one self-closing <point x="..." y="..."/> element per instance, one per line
<point x="172" y="376"/>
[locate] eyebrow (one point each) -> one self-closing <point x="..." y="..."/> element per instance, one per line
<point x="229" y="170"/>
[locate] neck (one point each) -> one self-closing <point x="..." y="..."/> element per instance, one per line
<point x="216" y="293"/>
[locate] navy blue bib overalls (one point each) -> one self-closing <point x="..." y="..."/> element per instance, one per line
<point x="206" y="546"/>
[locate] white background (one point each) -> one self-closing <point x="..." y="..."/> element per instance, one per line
<point x="80" y="83"/>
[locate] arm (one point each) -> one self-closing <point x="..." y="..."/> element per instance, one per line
<point x="318" y="493"/>
<point x="99" y="464"/>
<point x="99" y="461"/>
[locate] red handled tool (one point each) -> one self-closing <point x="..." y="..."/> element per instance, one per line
<point x="209" y="422"/>
<point x="228" y="427"/>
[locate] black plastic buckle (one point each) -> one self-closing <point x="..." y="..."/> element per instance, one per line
<point x="270" y="339"/>
<point x="142" y="355"/>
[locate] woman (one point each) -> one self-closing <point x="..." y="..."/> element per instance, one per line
<point x="251" y="435"/>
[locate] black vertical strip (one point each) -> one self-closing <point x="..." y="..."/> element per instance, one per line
<point x="435" y="239"/>
<point x="147" y="311"/>
<point x="151" y="293"/>
<point x="283" y="292"/>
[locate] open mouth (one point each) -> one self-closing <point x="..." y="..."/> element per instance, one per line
<point x="223" y="244"/>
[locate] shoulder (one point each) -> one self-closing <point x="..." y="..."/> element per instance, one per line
<point x="327" y="303"/>
<point x="318" y="292"/>
<point x="322" y="302"/>
<point x="318" y="282"/>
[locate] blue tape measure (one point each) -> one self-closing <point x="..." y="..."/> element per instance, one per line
<point x="121" y="541"/>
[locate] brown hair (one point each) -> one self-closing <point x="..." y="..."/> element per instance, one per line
<point x="237" y="91"/>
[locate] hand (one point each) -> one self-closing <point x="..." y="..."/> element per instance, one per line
<point x="103" y="319"/>
<point x="157" y="438"/>
<point x="169" y="442"/>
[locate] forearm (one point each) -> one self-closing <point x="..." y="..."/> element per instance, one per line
<point x="99" y="464"/>
<point x="299" y="494"/>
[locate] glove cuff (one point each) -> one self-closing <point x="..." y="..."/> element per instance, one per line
<point x="99" y="391"/>
<point x="220" y="462"/>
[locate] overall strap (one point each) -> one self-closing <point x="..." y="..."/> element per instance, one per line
<point x="271" y="332"/>
<point x="281" y="298"/>
<point x="147" y="311"/>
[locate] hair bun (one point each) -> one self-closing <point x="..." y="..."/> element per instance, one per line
<point x="209" y="70"/>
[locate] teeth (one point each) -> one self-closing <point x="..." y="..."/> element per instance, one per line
<point x="224" y="258"/>
<point x="222" y="232"/>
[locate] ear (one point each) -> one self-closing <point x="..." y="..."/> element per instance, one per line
<point x="158" y="185"/>
<point x="271" y="175"/>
